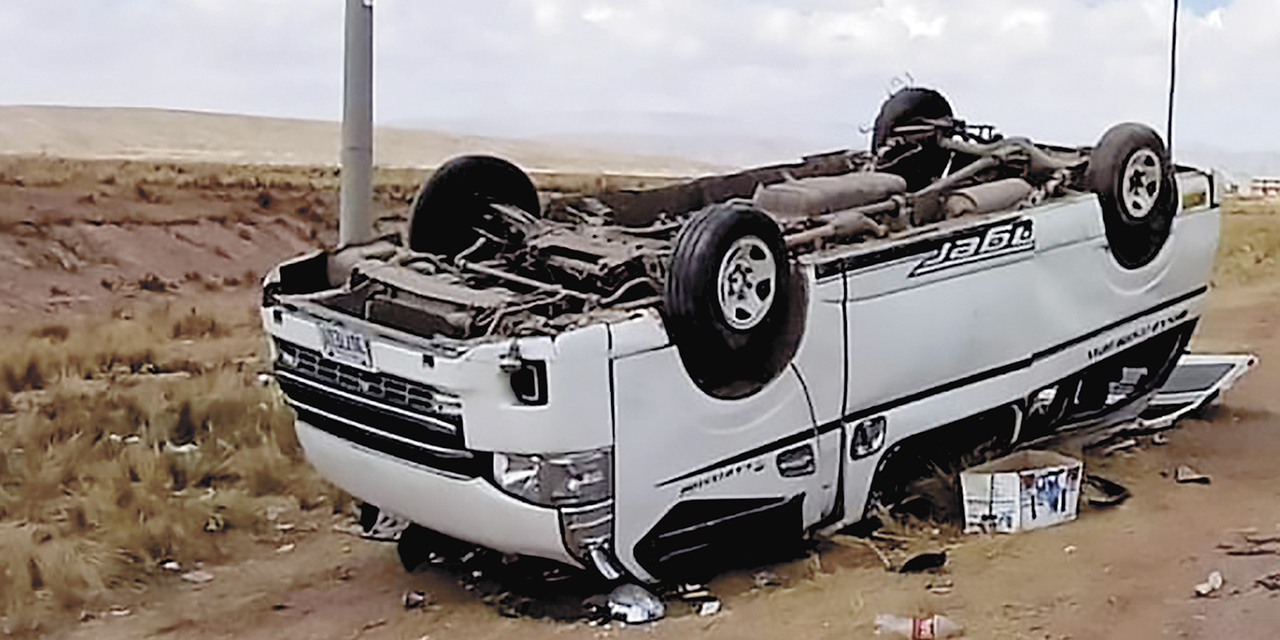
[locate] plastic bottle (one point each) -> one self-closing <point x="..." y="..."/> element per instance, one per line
<point x="934" y="628"/>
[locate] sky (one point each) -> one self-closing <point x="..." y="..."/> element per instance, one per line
<point x="716" y="72"/>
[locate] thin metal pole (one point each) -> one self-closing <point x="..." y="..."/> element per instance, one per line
<point x="355" y="200"/>
<point x="1173" y="69"/>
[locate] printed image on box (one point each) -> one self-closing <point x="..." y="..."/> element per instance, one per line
<point x="1022" y="491"/>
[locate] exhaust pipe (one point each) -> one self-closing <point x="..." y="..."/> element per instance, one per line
<point x="355" y="198"/>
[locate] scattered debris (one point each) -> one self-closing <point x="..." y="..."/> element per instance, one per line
<point x="597" y="608"/>
<point x="934" y="628"/>
<point x="171" y="566"/>
<point x="513" y="606"/>
<point x="633" y="604"/>
<point x="885" y="535"/>
<point x="815" y="564"/>
<point x="215" y="523"/>
<point x="199" y="576"/>
<point x="1270" y="583"/>
<point x="119" y="611"/>
<point x="1025" y="490"/>
<point x="1185" y="474"/>
<point x="286" y="548"/>
<point x="709" y="607"/>
<point x="941" y="587"/>
<point x="305" y="502"/>
<point x="1069" y="549"/>
<point x="349" y="529"/>
<point x="1252" y="550"/>
<point x="1252" y="544"/>
<point x="87" y="615"/>
<point x="155" y="284"/>
<point x="764" y="579"/>
<point x="1101" y="492"/>
<point x="1128" y="443"/>
<point x="1210" y="586"/>
<point x="414" y="599"/>
<point x="284" y="527"/>
<point x="923" y="562"/>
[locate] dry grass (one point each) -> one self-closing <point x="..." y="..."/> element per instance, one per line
<point x="132" y="441"/>
<point x="1250" y="243"/>
<point x="135" y="175"/>
<point x="390" y="183"/>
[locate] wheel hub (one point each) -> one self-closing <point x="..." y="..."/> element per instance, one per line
<point x="747" y="282"/>
<point x="1141" y="183"/>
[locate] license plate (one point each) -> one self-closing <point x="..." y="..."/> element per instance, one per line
<point x="346" y="346"/>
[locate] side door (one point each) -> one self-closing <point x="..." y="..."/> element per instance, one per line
<point x="939" y="329"/>
<point x="699" y="479"/>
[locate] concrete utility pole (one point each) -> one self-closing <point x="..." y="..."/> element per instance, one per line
<point x="1173" y="71"/>
<point x="355" y="199"/>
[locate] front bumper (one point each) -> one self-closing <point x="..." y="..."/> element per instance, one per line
<point x="469" y="509"/>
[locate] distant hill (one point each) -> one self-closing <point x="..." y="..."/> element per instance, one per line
<point x="717" y="139"/>
<point x="647" y="144"/>
<point x="1237" y="166"/>
<point x="135" y="133"/>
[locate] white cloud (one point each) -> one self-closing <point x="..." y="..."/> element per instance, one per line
<point x="920" y="25"/>
<point x="805" y="69"/>
<point x="1026" y="18"/>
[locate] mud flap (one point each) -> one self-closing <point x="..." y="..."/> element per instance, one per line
<point x="1196" y="381"/>
<point x="698" y="538"/>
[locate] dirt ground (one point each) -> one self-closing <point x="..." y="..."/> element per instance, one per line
<point x="1124" y="572"/>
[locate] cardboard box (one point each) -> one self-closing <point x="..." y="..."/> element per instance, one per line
<point x="1022" y="491"/>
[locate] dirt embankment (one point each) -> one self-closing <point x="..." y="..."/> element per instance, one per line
<point x="137" y="434"/>
<point x="75" y="232"/>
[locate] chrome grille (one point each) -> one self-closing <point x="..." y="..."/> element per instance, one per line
<point x="377" y="387"/>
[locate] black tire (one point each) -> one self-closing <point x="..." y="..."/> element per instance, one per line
<point x="925" y="163"/>
<point x="455" y="200"/>
<point x="733" y="346"/>
<point x="417" y="544"/>
<point x="1131" y="173"/>
<point x="413" y="547"/>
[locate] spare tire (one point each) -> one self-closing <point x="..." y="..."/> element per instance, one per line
<point x="734" y="303"/>
<point x="454" y="202"/>
<point x="918" y="164"/>
<point x="1131" y="173"/>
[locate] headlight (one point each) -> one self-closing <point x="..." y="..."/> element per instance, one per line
<point x="556" y="479"/>
<point x="288" y="354"/>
